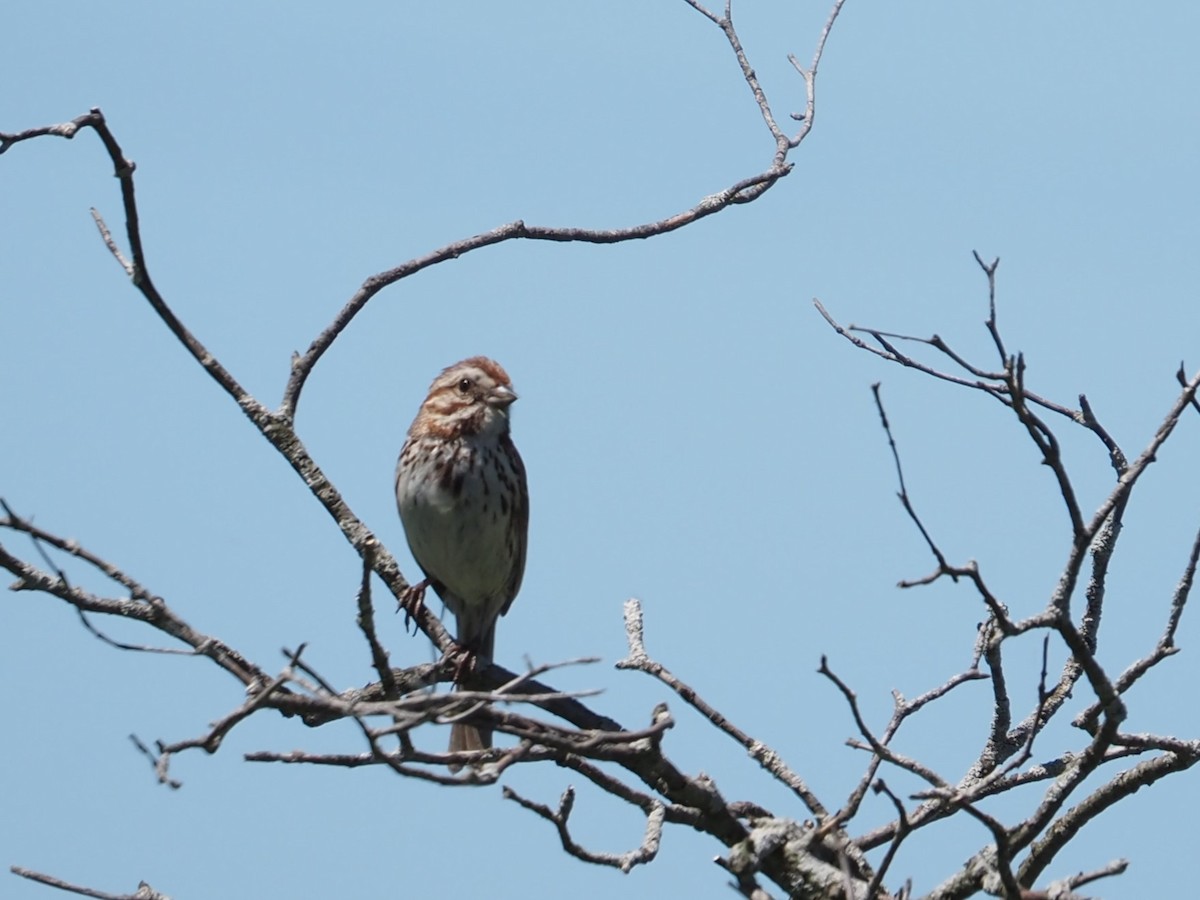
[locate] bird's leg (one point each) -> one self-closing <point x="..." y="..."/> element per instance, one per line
<point x="464" y="657"/>
<point x="412" y="601"/>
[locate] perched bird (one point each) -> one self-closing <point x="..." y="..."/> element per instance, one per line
<point x="461" y="491"/>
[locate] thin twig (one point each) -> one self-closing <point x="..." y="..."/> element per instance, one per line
<point x="366" y="624"/>
<point x="559" y="818"/>
<point x="903" y="494"/>
<point x="639" y="660"/>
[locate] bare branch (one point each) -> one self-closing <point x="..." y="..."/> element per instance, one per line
<point x="1068" y="825"/>
<point x="144" y="891"/>
<point x="1181" y="377"/>
<point x="902" y="710"/>
<point x="157" y="762"/>
<point x="1130" y="476"/>
<point x="640" y="661"/>
<point x="873" y="743"/>
<point x="111" y="244"/>
<point x="366" y="623"/>
<point x="623" y="861"/>
<point x="66" y="130"/>
<point x="1064" y="889"/>
<point x="810" y="76"/>
<point x="943" y="567"/>
<point x="303" y="364"/>
<point x="155" y="613"/>
<point x="989" y="269"/>
<point x="903" y="829"/>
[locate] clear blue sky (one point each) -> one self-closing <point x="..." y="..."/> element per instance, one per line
<point x="695" y="435"/>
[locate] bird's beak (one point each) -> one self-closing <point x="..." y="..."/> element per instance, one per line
<point x="502" y="397"/>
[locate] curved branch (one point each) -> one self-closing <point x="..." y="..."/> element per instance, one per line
<point x="303" y="364"/>
<point x="623" y="861"/>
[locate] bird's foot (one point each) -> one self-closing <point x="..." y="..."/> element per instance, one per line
<point x="412" y="601"/>
<point x="464" y="659"/>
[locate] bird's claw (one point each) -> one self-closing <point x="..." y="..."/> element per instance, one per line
<point x="464" y="659"/>
<point x="412" y="601"/>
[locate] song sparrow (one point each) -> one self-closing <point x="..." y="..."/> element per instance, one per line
<point x="460" y="488"/>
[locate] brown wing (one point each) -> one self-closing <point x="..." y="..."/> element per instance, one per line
<point x="520" y="523"/>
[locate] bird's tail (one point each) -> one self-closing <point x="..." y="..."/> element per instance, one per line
<point x="476" y="633"/>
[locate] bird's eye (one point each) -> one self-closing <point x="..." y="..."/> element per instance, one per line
<point x="464" y="386"/>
